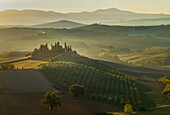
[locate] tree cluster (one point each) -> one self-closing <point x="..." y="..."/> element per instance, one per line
<point x="166" y="80"/>
<point x="128" y="108"/>
<point x="153" y="61"/>
<point x="44" y="51"/>
<point x="51" y="100"/>
<point x="7" y="67"/>
<point x="157" y="48"/>
<point x="77" y="90"/>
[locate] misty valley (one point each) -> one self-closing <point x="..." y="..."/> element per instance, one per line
<point x="104" y="62"/>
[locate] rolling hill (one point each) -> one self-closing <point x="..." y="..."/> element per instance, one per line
<point x="104" y="16"/>
<point x="142" y="57"/>
<point x="101" y="81"/>
<point x="12" y="54"/>
<point x="107" y="84"/>
<point x="149" y="22"/>
<point x="98" y="77"/>
<point x="60" y="24"/>
<point x="89" y="39"/>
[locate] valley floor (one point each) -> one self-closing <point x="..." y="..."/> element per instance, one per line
<point x="19" y="98"/>
<point x="29" y="104"/>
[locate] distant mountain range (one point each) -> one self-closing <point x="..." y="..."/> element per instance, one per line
<point x="60" y="24"/>
<point x="153" y="21"/>
<point x="104" y="16"/>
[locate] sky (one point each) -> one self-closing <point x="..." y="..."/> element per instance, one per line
<point x="141" y="6"/>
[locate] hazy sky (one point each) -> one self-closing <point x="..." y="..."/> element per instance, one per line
<point x="150" y="6"/>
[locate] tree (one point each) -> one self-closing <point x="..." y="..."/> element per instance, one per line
<point x="141" y="108"/>
<point x="65" y="46"/>
<point x="77" y="90"/>
<point x="7" y="67"/>
<point x="50" y="60"/>
<point x="51" y="100"/>
<point x="70" y="48"/>
<point x="116" y="58"/>
<point x="128" y="108"/>
<point x="147" y="49"/>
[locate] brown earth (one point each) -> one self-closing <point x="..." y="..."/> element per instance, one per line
<point x="30" y="105"/>
<point x="24" y="81"/>
<point x="23" y="91"/>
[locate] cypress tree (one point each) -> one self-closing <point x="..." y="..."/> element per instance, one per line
<point x="65" y="46"/>
<point x="41" y="48"/>
<point x="58" y="46"/>
<point x="70" y="48"/>
<point x="46" y="47"/>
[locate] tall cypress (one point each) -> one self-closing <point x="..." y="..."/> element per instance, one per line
<point x="65" y="46"/>
<point x="70" y="48"/>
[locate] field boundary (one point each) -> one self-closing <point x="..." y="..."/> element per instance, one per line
<point x="14" y="61"/>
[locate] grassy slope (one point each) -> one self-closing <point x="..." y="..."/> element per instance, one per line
<point x="28" y="64"/>
<point x="136" y="58"/>
<point x="12" y="54"/>
<point x="19" y="60"/>
<point x="132" y="37"/>
<point x="95" y="76"/>
<point x="150" y="87"/>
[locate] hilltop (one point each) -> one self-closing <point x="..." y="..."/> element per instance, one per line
<point x="60" y="24"/>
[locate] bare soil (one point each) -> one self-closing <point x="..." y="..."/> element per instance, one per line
<point x="30" y="105"/>
<point x="23" y="81"/>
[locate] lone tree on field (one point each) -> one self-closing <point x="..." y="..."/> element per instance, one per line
<point x="51" y="100"/>
<point x="128" y="108"/>
<point x="77" y="90"/>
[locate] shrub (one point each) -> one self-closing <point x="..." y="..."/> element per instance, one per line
<point x="141" y="108"/>
<point x="7" y="67"/>
<point x="128" y="108"/>
<point x="167" y="89"/>
<point x="51" y="100"/>
<point x="77" y="90"/>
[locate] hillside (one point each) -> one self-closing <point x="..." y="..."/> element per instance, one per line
<point x="148" y="22"/>
<point x="101" y="81"/>
<point x="60" y="24"/>
<point x="89" y="40"/>
<point x="105" y="82"/>
<point x="23" y="81"/>
<point x="105" y="16"/>
<point x="12" y="54"/>
<point x="152" y="58"/>
<point x="99" y="88"/>
<point x="21" y="91"/>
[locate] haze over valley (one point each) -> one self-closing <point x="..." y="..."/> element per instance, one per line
<point x="111" y="16"/>
<point x="84" y="57"/>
